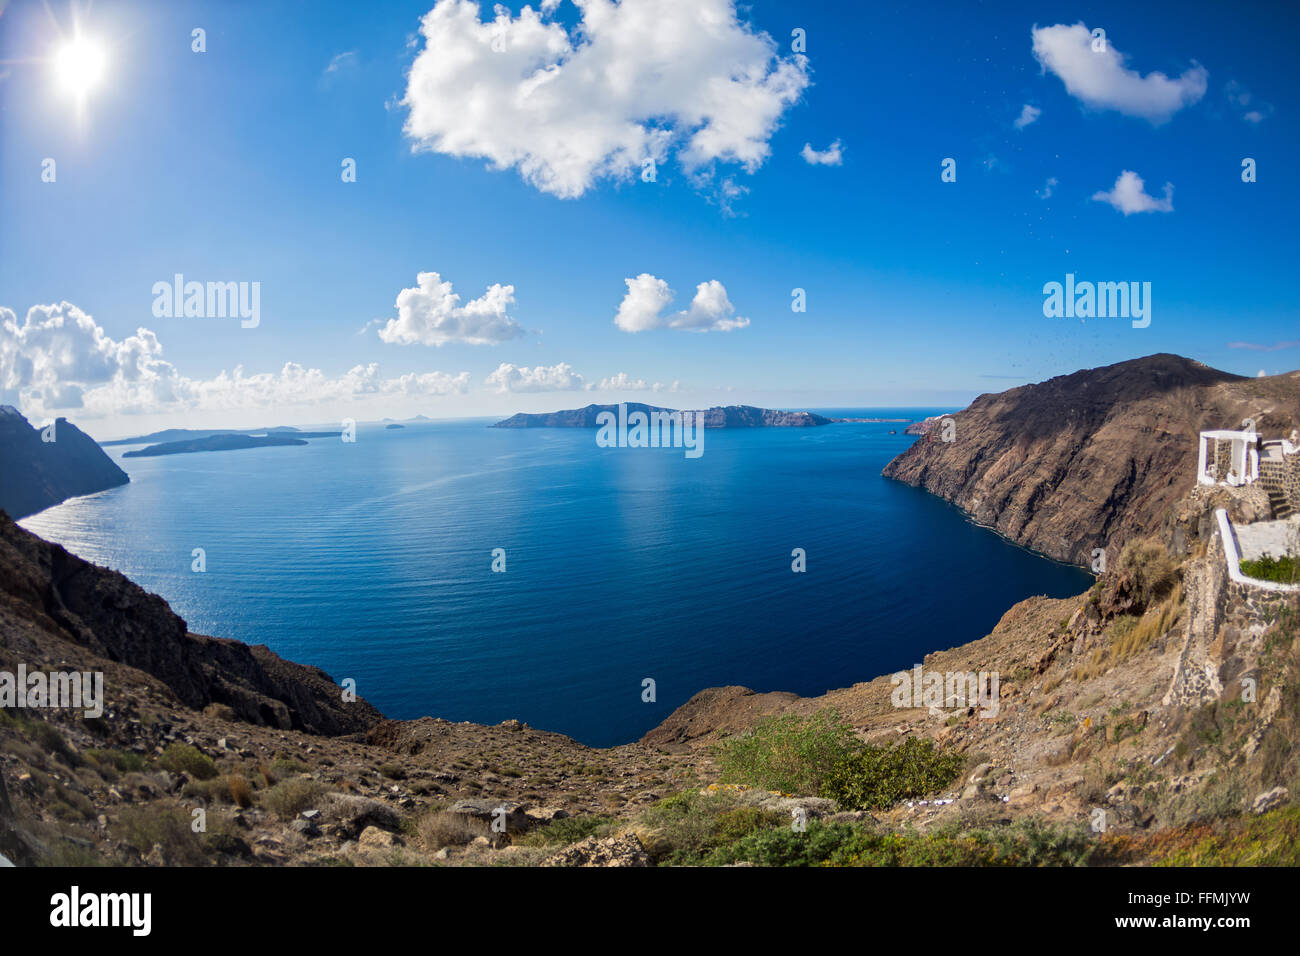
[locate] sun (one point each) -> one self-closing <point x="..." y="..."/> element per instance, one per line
<point x="80" y="66"/>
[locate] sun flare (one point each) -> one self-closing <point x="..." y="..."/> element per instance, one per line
<point x="80" y="66"/>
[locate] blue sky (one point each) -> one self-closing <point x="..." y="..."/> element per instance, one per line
<point x="224" y="165"/>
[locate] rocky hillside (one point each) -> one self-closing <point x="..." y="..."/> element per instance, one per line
<point x="50" y="599"/>
<point x="1095" y="458"/>
<point x="39" y="473"/>
<point x="719" y="416"/>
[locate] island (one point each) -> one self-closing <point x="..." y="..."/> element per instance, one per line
<point x="214" y="443"/>
<point x="719" y="416"/>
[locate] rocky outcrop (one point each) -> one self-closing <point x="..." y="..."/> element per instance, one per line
<point x="719" y="416"/>
<point x="1093" y="459"/>
<point x="47" y="592"/>
<point x="42" y="468"/>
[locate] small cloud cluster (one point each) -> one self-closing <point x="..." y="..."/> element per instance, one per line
<point x="1027" y="115"/>
<point x="1251" y="109"/>
<point x="643" y="308"/>
<point x="540" y="378"/>
<point x="59" y="359"/>
<point x="1129" y="195"/>
<point x="832" y="155"/>
<point x="430" y="313"/>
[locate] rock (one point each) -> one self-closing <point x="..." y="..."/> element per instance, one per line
<point x="625" y="850"/>
<point x="378" y="839"/>
<point x="814" y="808"/>
<point x="306" y="828"/>
<point x="541" y="815"/>
<point x="348" y="815"/>
<point x="516" y="820"/>
<point x="512" y="725"/>
<point x="1270" y="799"/>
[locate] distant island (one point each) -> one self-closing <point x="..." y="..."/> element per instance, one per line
<point x="42" y="468"/>
<point x="214" y="443"/>
<point x="394" y="426"/>
<point x="729" y="416"/>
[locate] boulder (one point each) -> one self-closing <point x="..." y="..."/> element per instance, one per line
<point x="624" y="850"/>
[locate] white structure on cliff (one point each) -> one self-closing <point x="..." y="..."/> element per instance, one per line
<point x="1238" y="458"/>
<point x="1228" y="458"/>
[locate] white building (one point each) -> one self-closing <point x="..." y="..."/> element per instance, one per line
<point x="1228" y="458"/>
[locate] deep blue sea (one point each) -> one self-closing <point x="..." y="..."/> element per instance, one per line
<point x="373" y="561"/>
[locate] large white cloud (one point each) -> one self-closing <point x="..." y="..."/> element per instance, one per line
<point x="430" y="313"/>
<point x="633" y="81"/>
<point x="1129" y="195"/>
<point x="58" y="359"/>
<point x="642" y="308"/>
<point x="1100" y="79"/>
<point x="540" y="378"/>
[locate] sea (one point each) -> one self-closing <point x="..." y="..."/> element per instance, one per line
<point x="627" y="580"/>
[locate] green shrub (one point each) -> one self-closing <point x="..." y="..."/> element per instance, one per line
<point x="690" y="824"/>
<point x="145" y="827"/>
<point x="789" y="753"/>
<point x="182" y="758"/>
<point x="1285" y="570"/>
<point x="123" y="761"/>
<point x="567" y="830"/>
<point x="1150" y="569"/>
<point x="288" y="799"/>
<point x="879" y="777"/>
<point x="843" y="844"/>
<point x="50" y="738"/>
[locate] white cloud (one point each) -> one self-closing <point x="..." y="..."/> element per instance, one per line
<point x="1100" y="79"/>
<point x="642" y="308"/>
<point x="59" y="359"/>
<point x="642" y="79"/>
<point x="540" y="378"/>
<point x="622" y="382"/>
<point x="831" y="156"/>
<point x="710" y="311"/>
<point x="1252" y="110"/>
<point x="1129" y="195"/>
<point x="431" y="314"/>
<point x="1048" y="187"/>
<point x="341" y="61"/>
<point x="1027" y="115"/>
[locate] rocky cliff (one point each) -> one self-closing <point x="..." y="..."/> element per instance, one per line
<point x="1095" y="458"/>
<point x="50" y="598"/>
<point x="38" y="473"/>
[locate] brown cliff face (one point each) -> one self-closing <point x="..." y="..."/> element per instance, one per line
<point x="1093" y="459"/>
<point x="47" y="594"/>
